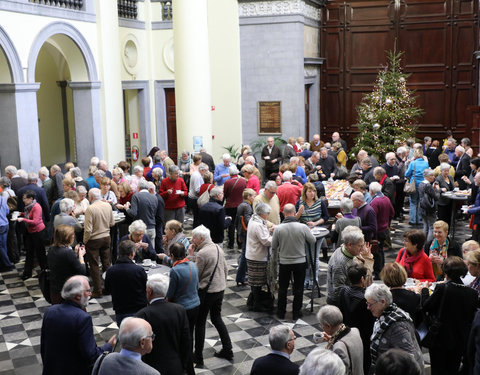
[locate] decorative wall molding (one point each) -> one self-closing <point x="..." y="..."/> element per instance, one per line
<point x="310" y="71"/>
<point x="277" y="8"/>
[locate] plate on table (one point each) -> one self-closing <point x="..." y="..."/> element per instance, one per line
<point x="318" y="231"/>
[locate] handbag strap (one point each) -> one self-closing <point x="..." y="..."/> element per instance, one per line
<point x="213" y="273"/>
<point x="413" y="173"/>
<point x="235" y="184"/>
<point x="188" y="282"/>
<point x="102" y="357"/>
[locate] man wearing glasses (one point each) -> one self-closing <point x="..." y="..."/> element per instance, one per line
<point x="136" y="337"/>
<point x="282" y="342"/>
<point x="67" y="343"/>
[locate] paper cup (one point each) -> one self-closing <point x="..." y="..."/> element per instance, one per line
<point x="318" y="337"/>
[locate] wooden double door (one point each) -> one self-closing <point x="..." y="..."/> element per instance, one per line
<point x="439" y="38"/>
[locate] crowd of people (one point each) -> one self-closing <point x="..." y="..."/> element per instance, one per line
<point x="377" y="314"/>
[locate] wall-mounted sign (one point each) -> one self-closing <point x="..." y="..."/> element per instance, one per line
<point x="135" y="135"/>
<point x="269" y="117"/>
<point x="197" y="143"/>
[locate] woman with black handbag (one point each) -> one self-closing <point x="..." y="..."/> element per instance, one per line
<point x="451" y="309"/>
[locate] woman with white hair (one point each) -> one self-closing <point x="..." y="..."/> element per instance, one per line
<point x="342" y="340"/>
<point x="445" y="183"/>
<point x="136" y="177"/>
<point x="143" y="245"/>
<point x="259" y="240"/>
<point x="322" y="362"/>
<point x="66" y="215"/>
<point x="81" y="201"/>
<point x="212" y="277"/>
<point x="393" y="327"/>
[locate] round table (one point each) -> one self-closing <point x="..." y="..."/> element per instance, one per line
<point x="319" y="233"/>
<point x="454" y="197"/>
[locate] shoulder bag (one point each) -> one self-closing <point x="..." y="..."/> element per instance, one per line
<point x="410" y="187"/>
<point x="205" y="197"/>
<point x="202" y="292"/>
<point x="431" y="325"/>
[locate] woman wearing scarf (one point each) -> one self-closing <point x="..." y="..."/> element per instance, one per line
<point x="259" y="240"/>
<point x="342" y="340"/>
<point x="454" y="305"/>
<point x="184" y="163"/>
<point x="393" y="327"/>
<point x="413" y="258"/>
<point x="32" y="217"/>
<point x="441" y="247"/>
<point x="173" y="234"/>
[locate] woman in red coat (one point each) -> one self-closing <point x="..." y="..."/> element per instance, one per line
<point x="35" y="234"/>
<point x="413" y="258"/>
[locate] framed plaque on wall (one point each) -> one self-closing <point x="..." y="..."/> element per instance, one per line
<point x="269" y="117"/>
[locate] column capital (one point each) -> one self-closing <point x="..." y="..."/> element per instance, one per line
<point x="19" y="87"/>
<point x="85" y="85"/>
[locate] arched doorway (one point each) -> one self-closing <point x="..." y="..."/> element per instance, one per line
<point x="68" y="102"/>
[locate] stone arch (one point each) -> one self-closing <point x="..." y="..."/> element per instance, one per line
<point x="11" y="54"/>
<point x="65" y="36"/>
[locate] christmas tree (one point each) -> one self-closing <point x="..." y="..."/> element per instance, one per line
<point x="388" y="115"/>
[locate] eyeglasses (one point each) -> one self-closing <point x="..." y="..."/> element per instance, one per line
<point x="294" y="338"/>
<point x="371" y="304"/>
<point x="152" y="336"/>
<point x="88" y="290"/>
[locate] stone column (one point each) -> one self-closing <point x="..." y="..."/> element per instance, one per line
<point x="192" y="73"/>
<point x="19" y="140"/>
<point x="88" y="125"/>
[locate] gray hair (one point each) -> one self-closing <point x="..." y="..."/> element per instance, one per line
<point x="5" y="181"/>
<point x="352" y="234"/>
<point x="95" y="194"/>
<point x="157" y="172"/>
<point x="377" y="292"/>
<point x="99" y="173"/>
<point x="232" y="170"/>
<point x="44" y="171"/>
<point x="294" y="159"/>
<point x="32" y="177"/>
<point x="137" y="168"/>
<point x="444" y="166"/>
<point x="173" y="169"/>
<point x="460" y="148"/>
<point x="379" y="171"/>
<point x="427" y="139"/>
<point x="287" y="176"/>
<point x="366" y="161"/>
<point x="151" y="186"/>
<point x="73" y="287"/>
<point x="66" y="204"/>
<point x="216" y="191"/>
<point x="358" y="195"/>
<point x="159" y="284"/>
<point x="55" y="168"/>
<point x="375" y="187"/>
<point x="94" y="161"/>
<point x="289" y="209"/>
<point x="262" y="209"/>
<point x="330" y="315"/>
<point x="125" y="248"/>
<point x="130" y="333"/>
<point x="322" y="362"/>
<point x="389" y="155"/>
<point x="279" y="336"/>
<point x="137" y="226"/>
<point x="22" y="173"/>
<point x="227" y="157"/>
<point x="466" y="141"/>
<point x="143" y="184"/>
<point x="81" y="189"/>
<point x="346" y="205"/>
<point x="401" y="150"/>
<point x="250" y="159"/>
<point x="202" y="167"/>
<point x="202" y="232"/>
<point x="75" y="172"/>
<point x="157" y="158"/>
<point x="11" y="169"/>
<point x="428" y="172"/>
<point x="270" y="184"/>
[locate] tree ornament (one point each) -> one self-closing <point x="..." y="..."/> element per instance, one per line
<point x="370" y="116"/>
<point x="376" y="126"/>
<point x="388" y="101"/>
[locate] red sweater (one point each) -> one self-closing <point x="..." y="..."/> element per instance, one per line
<point x="385" y="212"/>
<point x="233" y="191"/>
<point x="204" y="187"/>
<point x="422" y="268"/>
<point x="288" y="193"/>
<point x="174" y="200"/>
<point x="34" y="222"/>
<point x="254" y="183"/>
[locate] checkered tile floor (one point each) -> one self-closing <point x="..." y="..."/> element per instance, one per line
<point x="22" y="307"/>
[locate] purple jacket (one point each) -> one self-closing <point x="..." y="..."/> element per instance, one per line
<point x="369" y="221"/>
<point x="384" y="211"/>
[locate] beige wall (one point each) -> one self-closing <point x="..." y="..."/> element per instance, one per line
<point x="5" y="75"/>
<point x="310" y="41"/>
<point x="224" y="44"/>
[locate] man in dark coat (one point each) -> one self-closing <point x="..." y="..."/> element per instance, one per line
<point x="126" y="282"/>
<point x="172" y="346"/>
<point x="207" y="159"/>
<point x="212" y="215"/>
<point x="388" y="187"/>
<point x="463" y="167"/>
<point x="328" y="164"/>
<point x="272" y="155"/>
<point x="16" y="182"/>
<point x="367" y="214"/>
<point x="67" y="344"/>
<point x="282" y="342"/>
